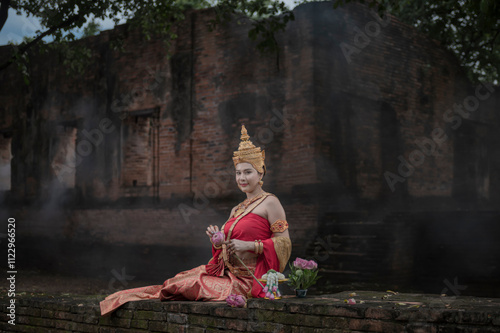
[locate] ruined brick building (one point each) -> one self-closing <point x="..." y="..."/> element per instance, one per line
<point x="383" y="154"/>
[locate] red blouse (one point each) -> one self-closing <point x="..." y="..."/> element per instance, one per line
<point x="251" y="227"/>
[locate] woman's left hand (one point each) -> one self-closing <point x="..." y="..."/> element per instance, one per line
<point x="236" y="245"/>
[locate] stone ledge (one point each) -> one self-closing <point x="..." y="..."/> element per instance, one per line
<point x="373" y="312"/>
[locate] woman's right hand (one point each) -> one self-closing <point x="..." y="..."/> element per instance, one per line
<point x="211" y="230"/>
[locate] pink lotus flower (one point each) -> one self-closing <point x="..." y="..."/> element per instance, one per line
<point x="236" y="301"/>
<point x="351" y="301"/>
<point x="300" y="263"/>
<point x="304" y="273"/>
<point x="218" y="238"/>
<point x="311" y="264"/>
<point x="305" y="264"/>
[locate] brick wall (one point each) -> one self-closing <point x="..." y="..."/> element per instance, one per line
<point x="151" y="243"/>
<point x="422" y="251"/>
<point x="347" y="117"/>
<point x="380" y="312"/>
<point x="376" y="102"/>
<point x="156" y="128"/>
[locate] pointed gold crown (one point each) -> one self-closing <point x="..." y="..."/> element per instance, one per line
<point x="248" y="153"/>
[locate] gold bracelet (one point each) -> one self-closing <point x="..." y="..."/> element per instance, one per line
<point x="256" y="246"/>
<point x="261" y="247"/>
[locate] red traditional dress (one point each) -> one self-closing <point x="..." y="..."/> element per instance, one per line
<point x="223" y="275"/>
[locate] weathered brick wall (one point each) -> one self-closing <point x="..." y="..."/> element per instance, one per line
<point x="151" y="243"/>
<point x="155" y="134"/>
<point x="380" y="88"/>
<point x="380" y="312"/>
<point x="349" y="114"/>
<point x="201" y="93"/>
<point x="424" y="251"/>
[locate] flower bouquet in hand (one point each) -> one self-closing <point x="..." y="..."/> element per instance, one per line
<point x="304" y="274"/>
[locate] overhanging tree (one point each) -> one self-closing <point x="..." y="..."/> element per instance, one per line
<point x="468" y="28"/>
<point x="59" y="18"/>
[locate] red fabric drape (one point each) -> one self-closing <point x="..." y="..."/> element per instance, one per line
<point x="250" y="228"/>
<point x="210" y="282"/>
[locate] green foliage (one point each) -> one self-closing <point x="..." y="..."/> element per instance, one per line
<point x="153" y="18"/>
<point x="91" y="29"/>
<point x="75" y="58"/>
<point x="266" y="16"/>
<point x="468" y="28"/>
<point x="22" y="63"/>
<point x="302" y="278"/>
<point x="194" y="4"/>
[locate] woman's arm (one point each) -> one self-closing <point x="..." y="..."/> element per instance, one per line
<point x="280" y="243"/>
<point x="276" y="212"/>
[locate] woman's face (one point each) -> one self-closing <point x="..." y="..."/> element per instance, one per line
<point x="247" y="177"/>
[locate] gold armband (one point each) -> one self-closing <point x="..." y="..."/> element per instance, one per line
<point x="279" y="226"/>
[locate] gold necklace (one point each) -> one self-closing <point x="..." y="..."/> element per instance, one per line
<point x="247" y="202"/>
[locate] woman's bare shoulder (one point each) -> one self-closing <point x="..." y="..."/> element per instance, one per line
<point x="274" y="209"/>
<point x="273" y="200"/>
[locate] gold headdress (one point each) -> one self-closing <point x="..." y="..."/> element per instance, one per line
<point x="248" y="153"/>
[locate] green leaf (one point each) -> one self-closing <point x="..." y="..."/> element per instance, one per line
<point x="485" y="5"/>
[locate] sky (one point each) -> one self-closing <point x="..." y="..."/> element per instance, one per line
<point x="18" y="26"/>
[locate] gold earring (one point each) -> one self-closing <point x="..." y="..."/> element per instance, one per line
<point x="261" y="182"/>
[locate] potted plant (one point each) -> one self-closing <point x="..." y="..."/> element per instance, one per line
<point x="304" y="274"/>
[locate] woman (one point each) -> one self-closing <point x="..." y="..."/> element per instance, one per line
<point x="256" y="239"/>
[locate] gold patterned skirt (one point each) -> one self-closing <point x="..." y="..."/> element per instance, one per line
<point x="191" y="285"/>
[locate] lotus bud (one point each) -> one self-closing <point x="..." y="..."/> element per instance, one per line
<point x="218" y="238"/>
<point x="235" y="300"/>
<point x="230" y="300"/>
<point x="240" y="301"/>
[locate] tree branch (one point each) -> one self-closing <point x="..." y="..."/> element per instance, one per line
<point x="4" y="12"/>
<point x="23" y="49"/>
